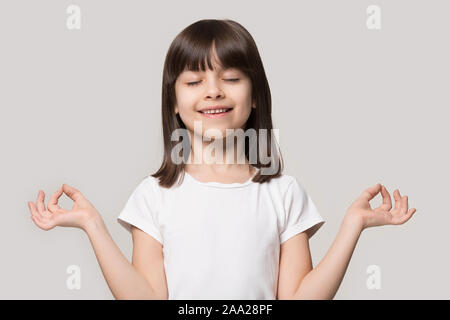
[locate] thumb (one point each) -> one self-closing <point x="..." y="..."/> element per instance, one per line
<point x="72" y="193"/>
<point x="371" y="192"/>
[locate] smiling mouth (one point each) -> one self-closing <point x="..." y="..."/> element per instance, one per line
<point x="216" y="114"/>
<point x="218" y="111"/>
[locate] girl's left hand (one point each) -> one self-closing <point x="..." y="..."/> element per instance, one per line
<point x="368" y="217"/>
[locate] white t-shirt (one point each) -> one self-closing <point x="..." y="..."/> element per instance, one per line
<point x="221" y="241"/>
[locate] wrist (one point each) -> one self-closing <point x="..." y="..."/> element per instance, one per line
<point x="92" y="223"/>
<point x="353" y="221"/>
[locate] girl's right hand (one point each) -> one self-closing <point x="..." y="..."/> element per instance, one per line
<point x="79" y="216"/>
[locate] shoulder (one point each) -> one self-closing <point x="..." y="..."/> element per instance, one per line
<point x="289" y="187"/>
<point x="148" y="187"/>
<point x="150" y="181"/>
<point x="149" y="192"/>
<point x="152" y="184"/>
<point x="279" y="187"/>
<point x="283" y="182"/>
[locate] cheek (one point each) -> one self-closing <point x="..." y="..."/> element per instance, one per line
<point x="244" y="98"/>
<point x="243" y="91"/>
<point x="186" y="101"/>
<point x="186" y="107"/>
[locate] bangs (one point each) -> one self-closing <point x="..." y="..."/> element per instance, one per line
<point x="201" y="42"/>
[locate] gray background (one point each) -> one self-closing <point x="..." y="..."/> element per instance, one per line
<point x="354" y="107"/>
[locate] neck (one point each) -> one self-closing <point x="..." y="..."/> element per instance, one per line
<point x="218" y="155"/>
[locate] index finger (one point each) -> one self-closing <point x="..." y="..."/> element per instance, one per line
<point x="73" y="193"/>
<point x="387" y="203"/>
<point x="53" y="202"/>
<point x="371" y="192"/>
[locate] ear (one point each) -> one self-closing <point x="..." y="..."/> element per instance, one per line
<point x="254" y="105"/>
<point x="176" y="109"/>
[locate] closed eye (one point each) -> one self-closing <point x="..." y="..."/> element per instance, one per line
<point x="197" y="82"/>
<point x="193" y="83"/>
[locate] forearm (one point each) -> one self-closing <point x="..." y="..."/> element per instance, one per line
<point x="124" y="281"/>
<point x="324" y="280"/>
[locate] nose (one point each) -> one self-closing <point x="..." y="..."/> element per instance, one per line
<point x="213" y="91"/>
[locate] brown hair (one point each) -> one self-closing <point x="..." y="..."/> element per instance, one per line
<point x="235" y="48"/>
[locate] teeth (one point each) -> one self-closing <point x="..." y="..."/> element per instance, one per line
<point x="215" y="111"/>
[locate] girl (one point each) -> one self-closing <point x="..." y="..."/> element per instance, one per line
<point x="205" y="229"/>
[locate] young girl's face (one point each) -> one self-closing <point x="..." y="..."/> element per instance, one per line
<point x="197" y="90"/>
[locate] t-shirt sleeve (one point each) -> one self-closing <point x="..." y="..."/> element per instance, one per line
<point x="140" y="211"/>
<point x="300" y="213"/>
